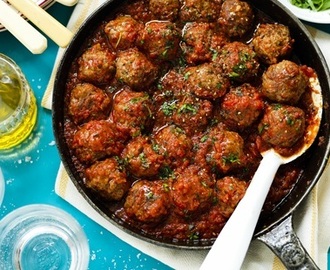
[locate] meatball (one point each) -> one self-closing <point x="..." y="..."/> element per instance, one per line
<point x="96" y="140"/>
<point x="236" y="18"/>
<point x="192" y="191"/>
<point x="239" y="61"/>
<point x="190" y="113"/>
<point x="200" y="10"/>
<point x="171" y="85"/>
<point x="173" y="143"/>
<point x="139" y="10"/>
<point x="97" y="65"/>
<point x="200" y="42"/>
<point x="88" y="102"/>
<point x="165" y="9"/>
<point x="282" y="125"/>
<point x="221" y="150"/>
<point x="229" y="191"/>
<point x="148" y="201"/>
<point x="207" y="81"/>
<point x="123" y="32"/>
<point x="132" y="110"/>
<point x="272" y="42"/>
<point x="209" y="225"/>
<point x="108" y="179"/>
<point x="160" y="40"/>
<point x="134" y="69"/>
<point x="241" y="106"/>
<point x="142" y="157"/>
<point x="284" y="82"/>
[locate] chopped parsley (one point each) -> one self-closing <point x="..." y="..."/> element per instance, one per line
<point x="232" y="158"/>
<point x="168" y="107"/>
<point x="166" y="172"/>
<point x="188" y="108"/>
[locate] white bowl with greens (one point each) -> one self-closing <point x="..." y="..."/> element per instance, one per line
<point x="316" y="11"/>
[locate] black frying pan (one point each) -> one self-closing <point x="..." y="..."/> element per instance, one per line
<point x="269" y="225"/>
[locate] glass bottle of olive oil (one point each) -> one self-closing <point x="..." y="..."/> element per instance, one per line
<point x="18" y="109"/>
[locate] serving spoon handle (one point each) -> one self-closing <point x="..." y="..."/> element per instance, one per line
<point x="231" y="245"/>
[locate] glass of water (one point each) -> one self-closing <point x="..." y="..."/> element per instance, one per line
<point x="42" y="237"/>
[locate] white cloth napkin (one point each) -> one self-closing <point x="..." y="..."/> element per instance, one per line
<point x="312" y="212"/>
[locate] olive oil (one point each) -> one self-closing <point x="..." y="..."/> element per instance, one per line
<point x="18" y="109"/>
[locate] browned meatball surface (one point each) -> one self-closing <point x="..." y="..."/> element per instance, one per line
<point x="160" y="40"/>
<point x="284" y="82"/>
<point x="131" y="110"/>
<point x="199" y="10"/>
<point x="272" y="42"/>
<point x="134" y="69"/>
<point x="229" y="191"/>
<point x="186" y="112"/>
<point x="221" y="150"/>
<point x="241" y="106"/>
<point x="239" y="61"/>
<point x="97" y="65"/>
<point x="236" y="18"/>
<point x="171" y="85"/>
<point x="142" y="157"/>
<point x="200" y="42"/>
<point x="148" y="201"/>
<point x="123" y="32"/>
<point x="165" y="9"/>
<point x="88" y="102"/>
<point x="282" y="125"/>
<point x="173" y="143"/>
<point x="207" y="81"/>
<point x="192" y="191"/>
<point x="108" y="179"/>
<point x="96" y="140"/>
<point x="209" y="225"/>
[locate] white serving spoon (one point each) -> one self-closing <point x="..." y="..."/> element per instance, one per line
<point x="44" y="21"/>
<point x="34" y="41"/>
<point x="230" y="247"/>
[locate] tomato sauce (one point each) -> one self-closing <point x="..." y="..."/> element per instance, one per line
<point x="182" y="137"/>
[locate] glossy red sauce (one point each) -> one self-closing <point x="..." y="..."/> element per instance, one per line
<point x="194" y="173"/>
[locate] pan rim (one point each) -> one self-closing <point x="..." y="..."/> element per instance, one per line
<point x="71" y="53"/>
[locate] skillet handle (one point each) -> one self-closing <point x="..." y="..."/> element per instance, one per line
<point x="285" y="244"/>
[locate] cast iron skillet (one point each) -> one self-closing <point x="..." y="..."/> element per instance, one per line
<point x="268" y="226"/>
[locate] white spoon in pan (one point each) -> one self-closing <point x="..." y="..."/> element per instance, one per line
<point x="230" y="247"/>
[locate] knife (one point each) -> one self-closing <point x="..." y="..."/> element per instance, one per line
<point x="44" y="21"/>
<point x="34" y="41"/>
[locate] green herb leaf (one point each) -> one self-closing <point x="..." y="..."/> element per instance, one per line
<point x="315" y="5"/>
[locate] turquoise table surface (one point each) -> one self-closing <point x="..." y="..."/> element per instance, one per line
<point x="30" y="170"/>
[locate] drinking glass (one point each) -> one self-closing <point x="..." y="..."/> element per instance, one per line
<point x="42" y="237"/>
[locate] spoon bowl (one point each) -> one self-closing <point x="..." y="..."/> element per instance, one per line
<point x="241" y="225"/>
